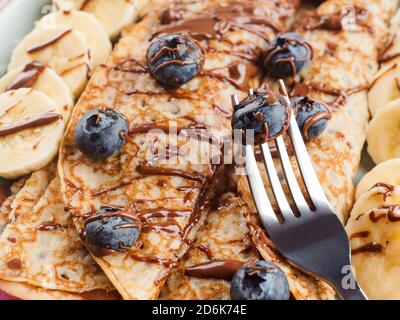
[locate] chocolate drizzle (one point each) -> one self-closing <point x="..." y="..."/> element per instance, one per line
<point x="44" y="45"/>
<point x="28" y="77"/>
<point x="362" y="234"/>
<point x="216" y="269"/>
<point x="340" y="96"/>
<point x="388" y="189"/>
<point x="50" y="226"/>
<point x="222" y="20"/>
<point x="35" y="122"/>
<point x="372" y="247"/>
<point x="339" y="20"/>
<point x="239" y="74"/>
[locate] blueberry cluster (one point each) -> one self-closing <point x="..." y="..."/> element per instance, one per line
<point x="174" y="59"/>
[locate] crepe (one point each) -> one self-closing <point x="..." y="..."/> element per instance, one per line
<point x="339" y="75"/>
<point x="181" y="185"/>
<point x="224" y="239"/>
<point x="40" y="247"/>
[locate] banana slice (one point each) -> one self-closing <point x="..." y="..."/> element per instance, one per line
<point x="63" y="49"/>
<point x="94" y="33"/>
<point x="380" y="195"/>
<point x="39" y="77"/>
<point x="113" y="15"/>
<point x="383" y="133"/>
<point x="387" y="172"/>
<point x="31" y="128"/>
<point x="375" y="244"/>
<point x="385" y="88"/>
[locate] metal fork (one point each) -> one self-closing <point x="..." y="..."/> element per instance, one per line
<point x="316" y="241"/>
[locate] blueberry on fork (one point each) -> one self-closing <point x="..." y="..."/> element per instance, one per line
<point x="174" y="59"/>
<point x="101" y="133"/>
<point x="260" y="281"/>
<point x="287" y="55"/>
<point x="265" y="113"/>
<point x="111" y="230"/>
<point x="312" y="117"/>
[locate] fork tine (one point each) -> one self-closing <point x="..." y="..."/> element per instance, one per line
<point x="276" y="185"/>
<point x="261" y="200"/>
<point x="294" y="187"/>
<point x="308" y="173"/>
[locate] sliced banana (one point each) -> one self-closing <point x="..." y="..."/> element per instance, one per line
<point x="39" y="77"/>
<point x="383" y="133"/>
<point x="381" y="194"/>
<point x="31" y="128"/>
<point x="385" y="88"/>
<point x="113" y="15"/>
<point x="387" y="172"/>
<point x="94" y="33"/>
<point x="375" y="244"/>
<point x="63" y="49"/>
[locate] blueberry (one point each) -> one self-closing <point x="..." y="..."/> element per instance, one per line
<point x="111" y="230"/>
<point x="260" y="281"/>
<point x="265" y="112"/>
<point x="101" y="133"/>
<point x="287" y="55"/>
<point x="174" y="59"/>
<point x="312" y="117"/>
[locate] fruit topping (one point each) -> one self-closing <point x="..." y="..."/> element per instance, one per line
<point x="111" y="230"/>
<point x="287" y="55"/>
<point x="174" y="59"/>
<point x="264" y="112"/>
<point x="312" y="117"/>
<point x="260" y="281"/>
<point x="101" y="133"/>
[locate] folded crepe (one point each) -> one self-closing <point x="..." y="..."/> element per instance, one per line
<point x="222" y="248"/>
<point x="172" y="197"/>
<point x="41" y="254"/>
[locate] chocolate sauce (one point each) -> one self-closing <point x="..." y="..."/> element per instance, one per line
<point x="14" y="264"/>
<point x="393" y="212"/>
<point x="165" y="262"/>
<point x="374" y="217"/>
<point x="132" y="65"/>
<point x="163" y="213"/>
<point x="341" y="96"/>
<point x="216" y="269"/>
<point x="313" y="120"/>
<point x="148" y="170"/>
<point x="222" y="20"/>
<point x="28" y="77"/>
<point x="388" y="189"/>
<point x="44" y="45"/>
<point x="167" y="227"/>
<point x="207" y="251"/>
<point x="239" y="75"/>
<point x="372" y="247"/>
<point x="363" y="234"/>
<point x="35" y="122"/>
<point x="5" y="190"/>
<point x="339" y="20"/>
<point x="50" y="226"/>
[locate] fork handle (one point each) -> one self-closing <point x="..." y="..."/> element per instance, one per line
<point x="354" y="293"/>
